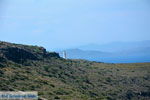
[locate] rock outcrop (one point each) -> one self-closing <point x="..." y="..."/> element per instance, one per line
<point x="21" y="53"/>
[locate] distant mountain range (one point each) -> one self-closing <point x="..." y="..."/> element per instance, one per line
<point x="116" y="52"/>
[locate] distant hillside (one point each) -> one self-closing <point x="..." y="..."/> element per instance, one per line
<point x="129" y="56"/>
<point x="84" y="54"/>
<point x="116" y="46"/>
<point x="32" y="68"/>
<point x="117" y="52"/>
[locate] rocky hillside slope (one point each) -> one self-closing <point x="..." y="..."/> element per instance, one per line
<point x="32" y="68"/>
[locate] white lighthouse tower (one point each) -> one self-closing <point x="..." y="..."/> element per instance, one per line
<point x="64" y="55"/>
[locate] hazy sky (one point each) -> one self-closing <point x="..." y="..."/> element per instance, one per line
<point x="69" y="23"/>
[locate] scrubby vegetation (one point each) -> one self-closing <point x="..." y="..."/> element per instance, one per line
<point x="27" y="68"/>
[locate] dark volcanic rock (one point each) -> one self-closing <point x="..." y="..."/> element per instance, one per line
<point x="52" y="54"/>
<point x="17" y="55"/>
<point x="21" y="53"/>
